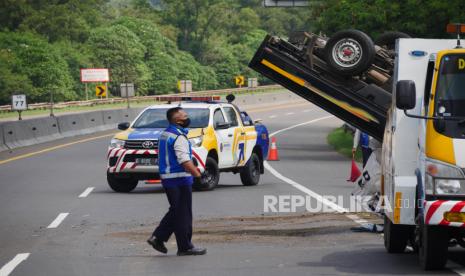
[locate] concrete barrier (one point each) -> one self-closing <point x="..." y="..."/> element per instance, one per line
<point x="2" y="139"/>
<point x="81" y="123"/>
<point x="33" y="131"/>
<point x="29" y="132"/>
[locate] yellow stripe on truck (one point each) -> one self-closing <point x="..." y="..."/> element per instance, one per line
<point x="360" y="113"/>
<point x="438" y="146"/>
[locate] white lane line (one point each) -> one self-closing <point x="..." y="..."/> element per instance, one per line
<point x="301" y="124"/>
<point x="459" y="269"/>
<point x="307" y="110"/>
<point x="86" y="192"/>
<point x="272" y="116"/>
<point x="58" y="220"/>
<point x="306" y="190"/>
<point x="11" y="265"/>
<point x="289" y="113"/>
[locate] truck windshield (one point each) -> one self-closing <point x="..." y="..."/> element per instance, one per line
<point x="450" y="92"/>
<point x="156" y="118"/>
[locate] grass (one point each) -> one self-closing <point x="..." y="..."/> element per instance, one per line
<point x="342" y="142"/>
<point x="139" y="103"/>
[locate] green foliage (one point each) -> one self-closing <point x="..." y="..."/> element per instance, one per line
<point x="44" y="43"/>
<point x="29" y="56"/>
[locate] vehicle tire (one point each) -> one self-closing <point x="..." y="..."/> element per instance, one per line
<point x="433" y="247"/>
<point x="210" y="177"/>
<point x="121" y="185"/>
<point x="395" y="236"/>
<point x="349" y="52"/>
<point x="388" y="39"/>
<point x="250" y="173"/>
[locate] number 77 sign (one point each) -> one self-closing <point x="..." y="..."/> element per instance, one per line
<point x="18" y="102"/>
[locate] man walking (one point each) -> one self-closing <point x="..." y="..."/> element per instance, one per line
<point x="176" y="171"/>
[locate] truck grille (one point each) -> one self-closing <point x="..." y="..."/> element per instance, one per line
<point x="141" y="144"/>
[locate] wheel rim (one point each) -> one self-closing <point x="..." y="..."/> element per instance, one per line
<point x="347" y="52"/>
<point x="208" y="177"/>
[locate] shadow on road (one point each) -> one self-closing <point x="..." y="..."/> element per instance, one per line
<point x="360" y="262"/>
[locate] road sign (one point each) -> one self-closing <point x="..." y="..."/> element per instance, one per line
<point x="18" y="102"/>
<point x="127" y="90"/>
<point x="240" y="80"/>
<point x="286" y="3"/>
<point x="185" y="86"/>
<point x="101" y="90"/>
<point x="252" y="82"/>
<point x="95" y="75"/>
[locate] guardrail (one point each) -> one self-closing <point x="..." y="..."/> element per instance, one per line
<point x="7" y="108"/>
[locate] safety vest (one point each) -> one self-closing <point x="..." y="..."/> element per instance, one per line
<point x="168" y="165"/>
<point x="364" y="140"/>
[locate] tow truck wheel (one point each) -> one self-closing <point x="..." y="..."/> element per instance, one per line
<point x="395" y="236"/>
<point x="433" y="247"/>
<point x="210" y="177"/>
<point x="349" y="52"/>
<point x="250" y="173"/>
<point x="121" y="185"/>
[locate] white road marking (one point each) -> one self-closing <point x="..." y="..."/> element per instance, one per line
<point x="86" y="192"/>
<point x="289" y="113"/>
<point x="306" y="190"/>
<point x="11" y="265"/>
<point x="58" y="220"/>
<point x="307" y="110"/>
<point x="459" y="269"/>
<point x="272" y="116"/>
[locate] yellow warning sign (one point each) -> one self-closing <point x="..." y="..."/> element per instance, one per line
<point x="101" y="90"/>
<point x="240" y="80"/>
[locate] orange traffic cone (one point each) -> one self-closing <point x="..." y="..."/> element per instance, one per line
<point x="354" y="171"/>
<point x="273" y="155"/>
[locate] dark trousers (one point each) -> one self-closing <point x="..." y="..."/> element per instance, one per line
<point x="366" y="152"/>
<point x="178" y="219"/>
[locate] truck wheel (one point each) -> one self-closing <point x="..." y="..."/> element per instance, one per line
<point x="395" y="236"/>
<point x="210" y="177"/>
<point x="250" y="173"/>
<point x="388" y="39"/>
<point x="433" y="247"/>
<point x="349" y="52"/>
<point x="121" y="185"/>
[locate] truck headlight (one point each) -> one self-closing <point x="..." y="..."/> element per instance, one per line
<point x="117" y="143"/>
<point x="444" y="179"/>
<point x="196" y="141"/>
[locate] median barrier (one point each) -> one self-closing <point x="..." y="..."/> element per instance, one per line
<point x="81" y="123"/>
<point x="29" y="132"/>
<point x="2" y="140"/>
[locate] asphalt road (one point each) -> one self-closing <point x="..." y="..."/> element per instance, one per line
<point x="104" y="233"/>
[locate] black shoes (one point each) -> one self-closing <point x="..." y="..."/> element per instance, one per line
<point x="157" y="245"/>
<point x="193" y="251"/>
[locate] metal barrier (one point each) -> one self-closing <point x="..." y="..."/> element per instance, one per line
<point x="2" y="139"/>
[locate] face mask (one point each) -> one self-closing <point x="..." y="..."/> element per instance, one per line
<point x="185" y="123"/>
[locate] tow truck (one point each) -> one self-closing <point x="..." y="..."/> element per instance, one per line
<point x="407" y="93"/>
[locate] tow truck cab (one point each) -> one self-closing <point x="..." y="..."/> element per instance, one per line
<point x="424" y="151"/>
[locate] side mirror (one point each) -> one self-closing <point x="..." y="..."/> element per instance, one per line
<point x="222" y="125"/>
<point x="258" y="121"/>
<point x="123" y="126"/>
<point x="405" y="94"/>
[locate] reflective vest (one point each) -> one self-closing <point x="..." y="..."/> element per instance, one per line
<point x="168" y="165"/>
<point x="364" y="140"/>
